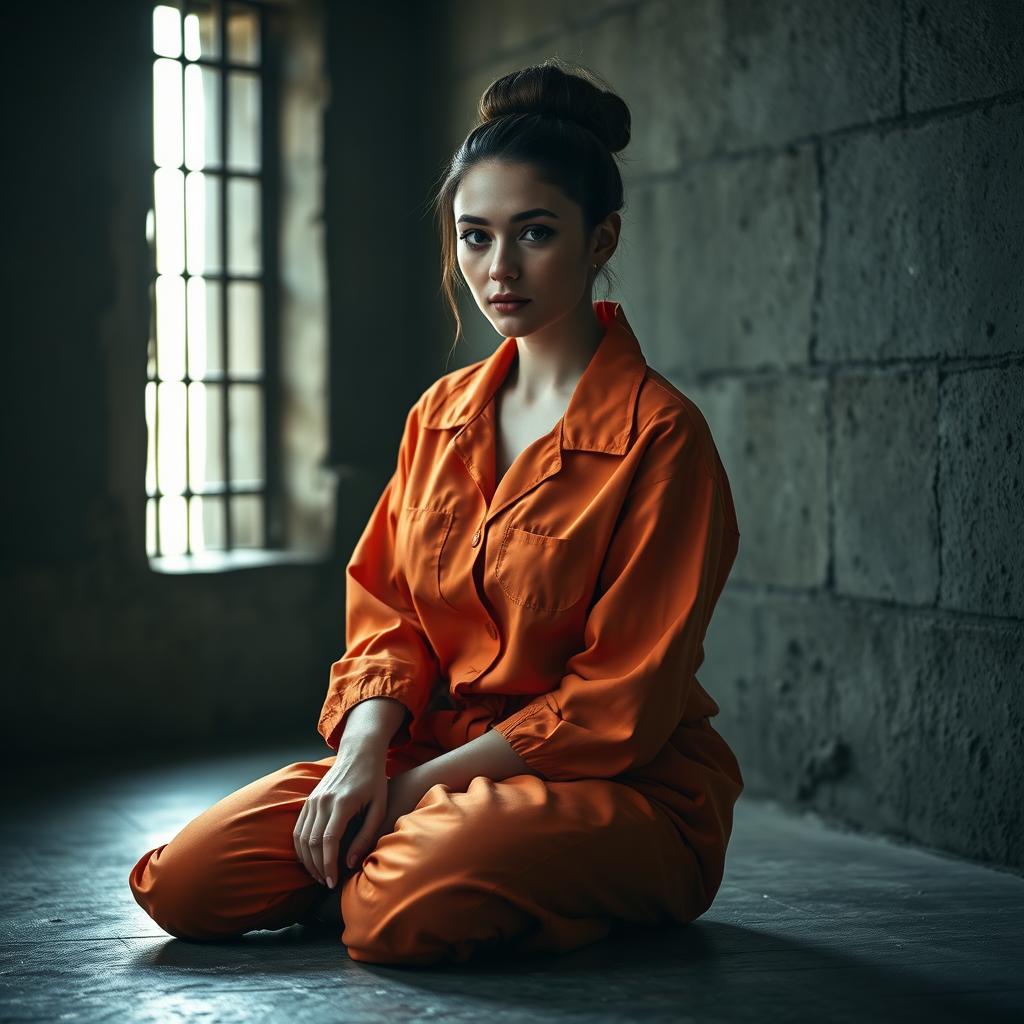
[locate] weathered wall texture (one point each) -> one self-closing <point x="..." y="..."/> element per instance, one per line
<point x="823" y="248"/>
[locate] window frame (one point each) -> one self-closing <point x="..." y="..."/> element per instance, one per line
<point x="271" y="548"/>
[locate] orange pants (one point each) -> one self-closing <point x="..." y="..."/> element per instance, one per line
<point x="524" y="864"/>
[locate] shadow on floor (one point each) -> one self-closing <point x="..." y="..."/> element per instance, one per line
<point x="706" y="970"/>
<point x="810" y="924"/>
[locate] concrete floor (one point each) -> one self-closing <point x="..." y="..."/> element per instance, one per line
<point x="810" y="924"/>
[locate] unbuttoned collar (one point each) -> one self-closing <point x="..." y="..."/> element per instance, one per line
<point x="599" y="417"/>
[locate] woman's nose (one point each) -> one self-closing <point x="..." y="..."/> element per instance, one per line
<point x="502" y="266"/>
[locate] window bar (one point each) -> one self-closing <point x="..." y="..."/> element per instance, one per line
<point x="273" y="524"/>
<point x="222" y="32"/>
<point x="182" y="10"/>
<point x="156" y="393"/>
<point x="155" y="335"/>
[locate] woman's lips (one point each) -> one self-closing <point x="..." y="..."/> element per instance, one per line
<point x="509" y="307"/>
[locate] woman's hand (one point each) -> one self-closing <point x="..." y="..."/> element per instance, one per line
<point x="404" y="792"/>
<point x="355" y="784"/>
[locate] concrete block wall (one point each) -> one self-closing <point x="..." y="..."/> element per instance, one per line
<point x="822" y="246"/>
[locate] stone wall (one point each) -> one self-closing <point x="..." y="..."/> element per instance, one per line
<point x="822" y="247"/>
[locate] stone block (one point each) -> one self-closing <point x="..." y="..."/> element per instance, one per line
<point x="722" y="75"/>
<point x="929" y="705"/>
<point x="771" y="435"/>
<point x="924" y="245"/>
<point x="960" y="732"/>
<point x="801" y="67"/>
<point x="959" y="50"/>
<point x="730" y="675"/>
<point x="981" y="490"/>
<point x="884" y="512"/>
<point x="895" y="721"/>
<point x="664" y="59"/>
<point x="800" y="639"/>
<point x="726" y="255"/>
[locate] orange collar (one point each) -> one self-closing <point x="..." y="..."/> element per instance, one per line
<point x="599" y="417"/>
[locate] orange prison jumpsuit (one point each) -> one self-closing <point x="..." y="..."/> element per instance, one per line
<point x="565" y="606"/>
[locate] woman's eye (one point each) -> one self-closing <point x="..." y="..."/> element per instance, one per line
<point x="545" y="232"/>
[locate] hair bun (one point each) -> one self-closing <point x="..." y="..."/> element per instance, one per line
<point x="557" y="88"/>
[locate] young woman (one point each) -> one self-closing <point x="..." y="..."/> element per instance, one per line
<point x="524" y="755"/>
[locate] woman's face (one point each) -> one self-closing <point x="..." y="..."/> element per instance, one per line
<point x="521" y="235"/>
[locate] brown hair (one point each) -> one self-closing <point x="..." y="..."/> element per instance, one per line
<point x="559" y="118"/>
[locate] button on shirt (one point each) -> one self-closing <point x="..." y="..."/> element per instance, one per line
<point x="564" y="605"/>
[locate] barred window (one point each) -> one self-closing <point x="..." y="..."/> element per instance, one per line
<point x="210" y="401"/>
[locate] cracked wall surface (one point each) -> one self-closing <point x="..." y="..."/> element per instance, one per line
<point x="822" y="246"/>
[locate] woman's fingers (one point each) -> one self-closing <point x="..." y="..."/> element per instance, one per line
<point x="335" y="812"/>
<point x="366" y="837"/>
<point x="331" y="840"/>
<point x="310" y="837"/>
<point x="319" y="835"/>
<point x="298" y="835"/>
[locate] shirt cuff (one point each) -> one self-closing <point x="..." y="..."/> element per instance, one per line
<point x="380" y="684"/>
<point x="527" y="732"/>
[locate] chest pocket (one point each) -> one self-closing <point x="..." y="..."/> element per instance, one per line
<point x="420" y="541"/>
<point x="547" y="574"/>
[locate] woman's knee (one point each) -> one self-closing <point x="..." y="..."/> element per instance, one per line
<point x="417" y="897"/>
<point x="233" y="867"/>
<point x="410" y="919"/>
<point x="171" y="890"/>
<point x="196" y="885"/>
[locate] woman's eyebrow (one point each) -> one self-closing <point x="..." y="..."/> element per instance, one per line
<point x="525" y="215"/>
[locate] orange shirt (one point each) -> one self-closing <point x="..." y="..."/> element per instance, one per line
<point x="564" y="606"/>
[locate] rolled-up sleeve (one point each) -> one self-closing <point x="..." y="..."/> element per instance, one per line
<point x="387" y="653"/>
<point x="625" y="692"/>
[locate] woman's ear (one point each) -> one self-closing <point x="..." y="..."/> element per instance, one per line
<point x="605" y="238"/>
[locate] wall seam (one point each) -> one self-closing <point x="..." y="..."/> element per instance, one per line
<point x="883" y="126"/>
<point x="819" y="260"/>
<point x="951" y="364"/>
<point x="903" y="59"/>
<point x="761" y="592"/>
<point x="937" y="481"/>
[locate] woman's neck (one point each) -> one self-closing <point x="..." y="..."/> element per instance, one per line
<point x="551" y="361"/>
